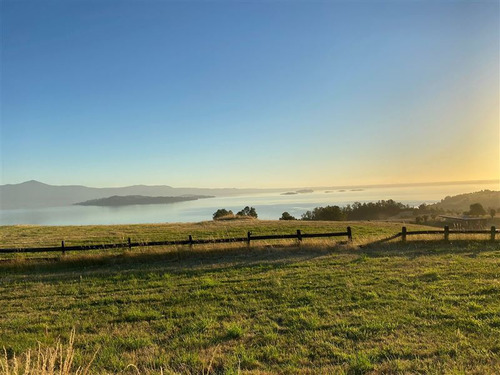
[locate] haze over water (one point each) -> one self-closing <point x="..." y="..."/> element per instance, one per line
<point x="269" y="206"/>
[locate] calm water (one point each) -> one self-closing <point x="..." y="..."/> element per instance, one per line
<point x="269" y="206"/>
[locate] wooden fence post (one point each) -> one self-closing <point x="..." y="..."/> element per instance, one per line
<point x="349" y="234"/>
<point x="129" y="244"/>
<point x="446" y="233"/>
<point x="248" y="238"/>
<point x="62" y="245"/>
<point x="299" y="236"/>
<point x="493" y="232"/>
<point x="190" y="241"/>
<point x="403" y="234"/>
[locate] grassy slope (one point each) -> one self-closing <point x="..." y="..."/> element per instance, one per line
<point x="462" y="202"/>
<point x="418" y="307"/>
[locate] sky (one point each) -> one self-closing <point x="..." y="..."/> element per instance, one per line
<point x="249" y="93"/>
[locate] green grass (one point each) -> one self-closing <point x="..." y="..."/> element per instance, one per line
<point x="419" y="307"/>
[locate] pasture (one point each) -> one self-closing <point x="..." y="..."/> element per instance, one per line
<point x="322" y="307"/>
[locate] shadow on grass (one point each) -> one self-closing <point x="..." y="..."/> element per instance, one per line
<point x="420" y="247"/>
<point x="181" y="259"/>
<point x="218" y="259"/>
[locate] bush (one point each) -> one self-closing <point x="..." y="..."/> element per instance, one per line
<point x="248" y="211"/>
<point x="221" y="212"/>
<point x="286" y="216"/>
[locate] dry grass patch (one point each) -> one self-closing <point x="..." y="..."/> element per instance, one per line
<point x="55" y="360"/>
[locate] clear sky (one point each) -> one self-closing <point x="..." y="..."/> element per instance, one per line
<point x="249" y="93"/>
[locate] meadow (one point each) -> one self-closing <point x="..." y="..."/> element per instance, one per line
<point x="276" y="307"/>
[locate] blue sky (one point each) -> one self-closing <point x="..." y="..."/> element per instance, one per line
<point x="249" y="94"/>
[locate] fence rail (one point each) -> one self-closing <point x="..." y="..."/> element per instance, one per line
<point x="446" y="232"/>
<point x="298" y="236"/>
<point x="190" y="241"/>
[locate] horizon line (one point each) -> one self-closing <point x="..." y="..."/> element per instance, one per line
<point x="401" y="184"/>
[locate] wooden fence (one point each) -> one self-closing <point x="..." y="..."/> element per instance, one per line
<point x="299" y="236"/>
<point x="445" y="232"/>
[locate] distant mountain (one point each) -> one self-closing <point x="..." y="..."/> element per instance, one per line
<point x="461" y="203"/>
<point x="35" y="194"/>
<point x="129" y="200"/>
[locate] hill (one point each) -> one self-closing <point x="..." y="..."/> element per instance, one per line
<point x="461" y="203"/>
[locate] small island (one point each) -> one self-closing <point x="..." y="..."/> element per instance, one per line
<point x="304" y="191"/>
<point x="128" y="200"/>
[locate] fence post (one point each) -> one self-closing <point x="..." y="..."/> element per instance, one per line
<point x="248" y="238"/>
<point x="349" y="234"/>
<point x="190" y="241"/>
<point x="299" y="236"/>
<point x="493" y="232"/>
<point x="403" y="234"/>
<point x="129" y="244"/>
<point x="62" y="245"/>
<point x="446" y="233"/>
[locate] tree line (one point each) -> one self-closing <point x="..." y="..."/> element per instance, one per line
<point x="380" y="210"/>
<point x="357" y="211"/>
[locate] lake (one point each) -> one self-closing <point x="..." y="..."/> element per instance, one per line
<point x="269" y="206"/>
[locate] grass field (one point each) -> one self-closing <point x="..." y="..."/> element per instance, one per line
<point x="419" y="307"/>
<point x="41" y="236"/>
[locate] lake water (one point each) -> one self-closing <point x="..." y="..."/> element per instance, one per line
<point x="268" y="206"/>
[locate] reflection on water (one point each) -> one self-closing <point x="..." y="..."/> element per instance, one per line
<point x="268" y="205"/>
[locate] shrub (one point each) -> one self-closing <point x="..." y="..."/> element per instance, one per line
<point x="286" y="216"/>
<point x="221" y="212"/>
<point x="248" y="211"/>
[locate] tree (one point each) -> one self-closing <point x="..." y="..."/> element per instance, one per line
<point x="333" y="213"/>
<point x="248" y="211"/>
<point x="328" y="213"/>
<point x="286" y="216"/>
<point x="492" y="212"/>
<point x="307" y="215"/>
<point x="221" y="212"/>
<point x="476" y="209"/>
